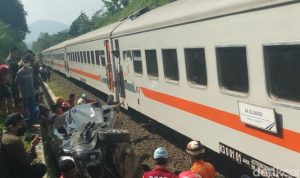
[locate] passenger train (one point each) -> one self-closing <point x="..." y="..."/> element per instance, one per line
<point x="225" y="72"/>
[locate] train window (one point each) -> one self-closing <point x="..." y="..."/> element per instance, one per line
<point x="151" y="62"/>
<point x="81" y="57"/>
<point x="102" y="56"/>
<point x="88" y="57"/>
<point x="170" y="64"/>
<point x="97" y="54"/>
<point x="232" y="68"/>
<point x="84" y="56"/>
<point x="78" y="57"/>
<point x="127" y="55"/>
<point x="92" y="57"/>
<point x="282" y="66"/>
<point x="195" y="66"/>
<point x="137" y="62"/>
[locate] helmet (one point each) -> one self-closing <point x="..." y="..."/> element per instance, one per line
<point x="195" y="148"/>
<point x="80" y="101"/>
<point x="84" y="96"/>
<point x="189" y="174"/>
<point x="160" y="153"/>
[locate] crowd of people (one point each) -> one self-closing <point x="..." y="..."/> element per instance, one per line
<point x="19" y="83"/>
<point x="22" y="105"/>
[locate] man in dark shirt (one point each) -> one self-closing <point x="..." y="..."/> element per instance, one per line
<point x="18" y="160"/>
<point x="24" y="79"/>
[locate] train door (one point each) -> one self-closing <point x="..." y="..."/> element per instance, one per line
<point x="109" y="67"/>
<point x="121" y="92"/>
<point x="66" y="62"/>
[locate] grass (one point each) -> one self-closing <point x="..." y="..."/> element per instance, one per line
<point x="57" y="89"/>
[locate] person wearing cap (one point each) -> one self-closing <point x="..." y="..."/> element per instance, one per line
<point x="82" y="99"/>
<point x="6" y="101"/>
<point x="18" y="160"/>
<point x="161" y="161"/>
<point x="196" y="151"/>
<point x="24" y="79"/>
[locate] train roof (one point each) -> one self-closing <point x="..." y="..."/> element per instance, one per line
<point x="185" y="11"/>
<point x="103" y="32"/>
<point x="60" y="45"/>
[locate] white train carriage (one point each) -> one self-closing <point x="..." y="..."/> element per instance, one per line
<point x="47" y="58"/>
<point x="59" y="58"/>
<point x="210" y="69"/>
<point x="223" y="72"/>
<point x="90" y="59"/>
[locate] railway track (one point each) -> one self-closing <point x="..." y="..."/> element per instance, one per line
<point x="148" y="134"/>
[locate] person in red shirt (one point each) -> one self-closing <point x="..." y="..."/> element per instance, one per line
<point x="161" y="161"/>
<point x="201" y="167"/>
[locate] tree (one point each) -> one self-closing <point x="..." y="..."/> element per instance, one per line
<point x="114" y="6"/>
<point x="8" y="40"/>
<point x="80" y="25"/>
<point x="45" y="40"/>
<point x="13" y="14"/>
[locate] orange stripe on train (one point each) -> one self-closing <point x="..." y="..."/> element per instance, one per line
<point x="89" y="75"/>
<point x="80" y="72"/>
<point x="288" y="140"/>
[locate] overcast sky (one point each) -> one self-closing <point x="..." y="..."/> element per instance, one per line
<point x="64" y="11"/>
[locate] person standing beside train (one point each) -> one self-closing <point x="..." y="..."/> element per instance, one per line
<point x="24" y="79"/>
<point x="161" y="161"/>
<point x="196" y="151"/>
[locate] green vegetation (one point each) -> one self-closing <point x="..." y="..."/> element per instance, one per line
<point x="12" y="13"/>
<point x="58" y="90"/>
<point x="113" y="11"/>
<point x="13" y="26"/>
<point x="80" y="26"/>
<point x="101" y="19"/>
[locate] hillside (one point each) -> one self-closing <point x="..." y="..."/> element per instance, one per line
<point x="45" y="26"/>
